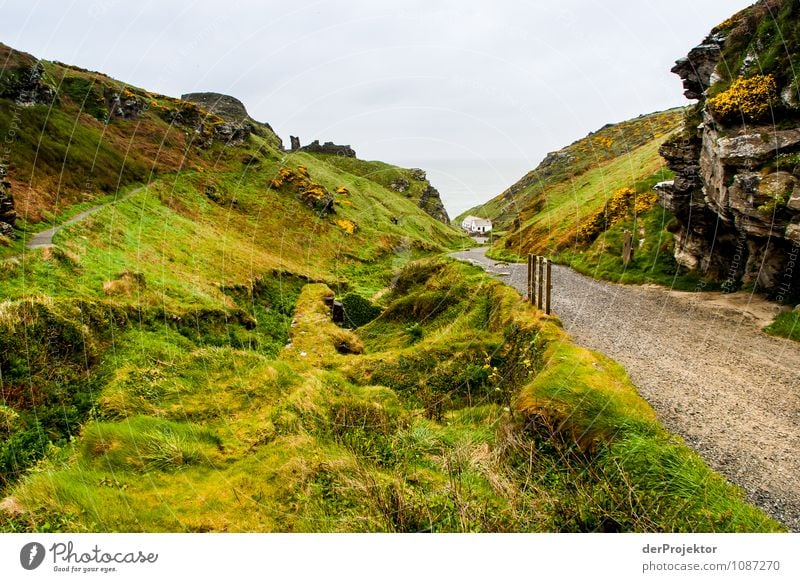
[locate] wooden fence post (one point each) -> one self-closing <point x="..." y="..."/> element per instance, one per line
<point x="529" y="280"/>
<point x="539" y="289"/>
<point x="549" y="285"/>
<point x="627" y="247"/>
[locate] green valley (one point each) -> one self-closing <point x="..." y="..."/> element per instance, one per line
<point x="171" y="364"/>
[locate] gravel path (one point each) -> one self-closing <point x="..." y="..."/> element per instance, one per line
<point x="45" y="238"/>
<point x="700" y="359"/>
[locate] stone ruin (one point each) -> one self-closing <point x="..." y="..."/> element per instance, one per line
<point x="328" y="147"/>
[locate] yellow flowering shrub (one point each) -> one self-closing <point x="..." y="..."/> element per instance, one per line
<point x="615" y="209"/>
<point x="312" y="193"/>
<point x="346" y="225"/>
<point x="605" y="142"/>
<point x="645" y="202"/>
<point x="751" y="98"/>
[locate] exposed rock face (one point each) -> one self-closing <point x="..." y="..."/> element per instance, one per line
<point x="431" y="202"/>
<point x="736" y="192"/>
<point x="418" y="174"/>
<point x="8" y="216"/>
<point x="227" y="107"/>
<point x="399" y="185"/>
<point x="329" y="148"/>
<point x="697" y="68"/>
<point x="232" y="133"/>
<point x="295" y="143"/>
<point x="238" y="124"/>
<point x="30" y="87"/>
<point x="125" y="106"/>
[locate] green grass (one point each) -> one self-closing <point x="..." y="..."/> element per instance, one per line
<point x="512" y="428"/>
<point x="653" y="259"/>
<point x="170" y="261"/>
<point x="785" y="325"/>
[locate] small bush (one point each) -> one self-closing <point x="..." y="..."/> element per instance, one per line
<point x="415" y="332"/>
<point x="358" y="311"/>
<point x="751" y="99"/>
<point x="615" y="209"/>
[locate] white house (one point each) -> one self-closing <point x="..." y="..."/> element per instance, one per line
<point x="476" y="225"/>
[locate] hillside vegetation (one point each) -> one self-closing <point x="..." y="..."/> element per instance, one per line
<point x="576" y="205"/>
<point x="412" y="423"/>
<point x="171" y="364"/>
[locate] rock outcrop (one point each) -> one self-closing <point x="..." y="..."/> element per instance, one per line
<point x="329" y="147"/>
<point x="8" y="216"/>
<point x="736" y="192"/>
<point x="431" y="202"/>
<point x="28" y="86"/>
<point x="125" y="105"/>
<point x="237" y="124"/>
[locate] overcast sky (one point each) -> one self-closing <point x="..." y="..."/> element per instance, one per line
<point x="474" y="91"/>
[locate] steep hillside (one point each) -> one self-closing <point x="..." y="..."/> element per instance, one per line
<point x="565" y="167"/>
<point x="170" y="362"/>
<point x="74" y="137"/>
<point x="412" y="183"/>
<point x="208" y="210"/>
<point x="576" y="205"/>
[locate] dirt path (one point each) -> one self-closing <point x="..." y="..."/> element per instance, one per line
<point x="702" y="362"/>
<point x="45" y="238"/>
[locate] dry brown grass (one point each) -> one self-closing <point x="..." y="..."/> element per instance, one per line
<point x="126" y="284"/>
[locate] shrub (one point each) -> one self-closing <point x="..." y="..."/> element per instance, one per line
<point x="358" y="311"/>
<point x="346" y="225"/>
<point x="749" y="98"/>
<point x="615" y="209"/>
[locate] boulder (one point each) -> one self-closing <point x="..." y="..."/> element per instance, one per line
<point x="399" y="185"/>
<point x="418" y="174"/>
<point x="125" y="106"/>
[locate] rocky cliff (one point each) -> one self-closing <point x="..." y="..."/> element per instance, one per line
<point x="736" y="192"/>
<point x="238" y="124"/>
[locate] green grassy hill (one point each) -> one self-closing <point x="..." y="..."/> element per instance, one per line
<point x="170" y="364"/>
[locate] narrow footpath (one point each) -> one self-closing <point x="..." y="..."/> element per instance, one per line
<point x="44" y="239"/>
